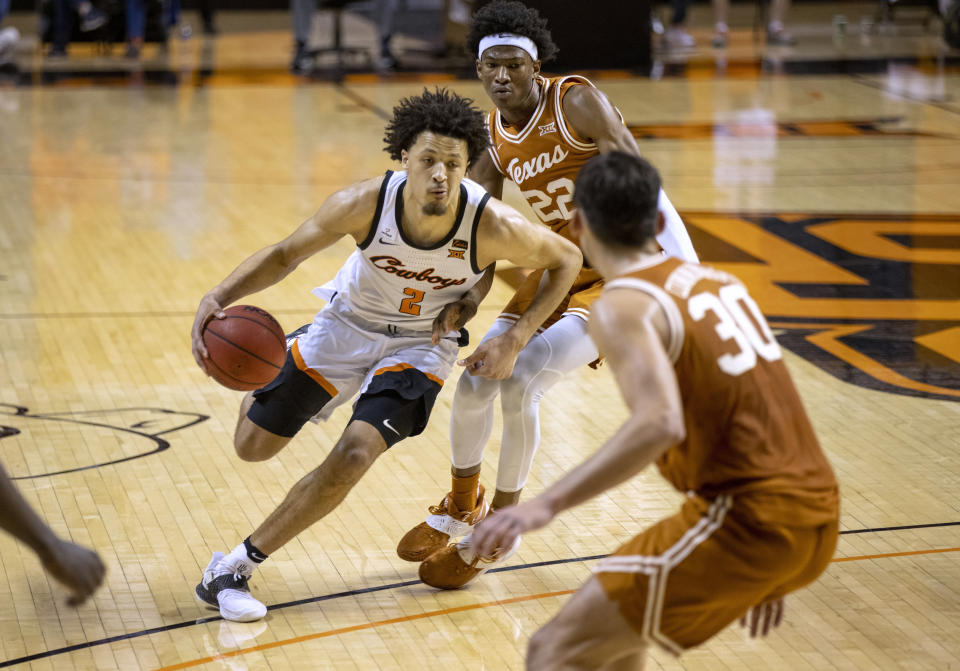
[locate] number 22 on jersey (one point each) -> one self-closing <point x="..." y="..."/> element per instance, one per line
<point x="560" y="193"/>
<point x="750" y="332"/>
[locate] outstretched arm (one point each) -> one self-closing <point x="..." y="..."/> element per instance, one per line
<point x="76" y="567"/>
<point x="592" y="116"/>
<point x="629" y="329"/>
<point x="505" y="234"/>
<point x="347" y="212"/>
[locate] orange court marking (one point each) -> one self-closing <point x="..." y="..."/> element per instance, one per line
<point x="896" y="554"/>
<point x="359" y="627"/>
<point x="460" y="609"/>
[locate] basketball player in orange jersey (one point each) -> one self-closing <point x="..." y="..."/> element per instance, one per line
<point x="711" y="402"/>
<point x="543" y="130"/>
<point x="424" y="236"/>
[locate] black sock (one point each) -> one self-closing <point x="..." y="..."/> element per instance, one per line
<point x="253" y="552"/>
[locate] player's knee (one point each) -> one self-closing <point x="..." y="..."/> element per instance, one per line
<point x="352" y="456"/>
<point x="520" y="388"/>
<point x="251" y="443"/>
<point x="476" y="390"/>
<point x="249" y="448"/>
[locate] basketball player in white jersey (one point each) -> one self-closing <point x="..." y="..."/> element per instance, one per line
<point x="424" y="237"/>
<point x="543" y="130"/>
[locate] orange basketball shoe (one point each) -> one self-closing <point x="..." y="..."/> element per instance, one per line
<point x="457" y="564"/>
<point x="445" y="521"/>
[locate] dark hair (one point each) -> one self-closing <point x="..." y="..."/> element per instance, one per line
<point x="618" y="193"/>
<point x="441" y="112"/>
<point x="508" y="16"/>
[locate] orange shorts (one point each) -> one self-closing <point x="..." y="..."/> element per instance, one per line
<point x="690" y="575"/>
<point x="586" y="289"/>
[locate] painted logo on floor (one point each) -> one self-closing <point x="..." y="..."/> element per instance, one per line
<point x="871" y="299"/>
<point x="112" y="436"/>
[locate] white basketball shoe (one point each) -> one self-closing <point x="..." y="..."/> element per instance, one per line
<point x="224" y="588"/>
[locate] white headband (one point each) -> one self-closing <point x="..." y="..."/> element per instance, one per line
<point x="508" y="40"/>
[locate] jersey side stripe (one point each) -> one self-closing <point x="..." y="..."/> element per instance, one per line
<point x="375" y="224"/>
<point x="492" y="147"/>
<point x="562" y="120"/>
<point x="674" y="318"/>
<point x="473" y="234"/>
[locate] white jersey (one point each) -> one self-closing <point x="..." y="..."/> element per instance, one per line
<point x="391" y="281"/>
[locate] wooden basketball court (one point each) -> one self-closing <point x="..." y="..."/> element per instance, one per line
<point x="834" y="196"/>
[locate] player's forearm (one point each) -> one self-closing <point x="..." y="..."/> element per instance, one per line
<point x="480" y="290"/>
<point x="19" y="519"/>
<point x="261" y="270"/>
<point x="637" y="444"/>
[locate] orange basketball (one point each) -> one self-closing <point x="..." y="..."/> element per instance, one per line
<point x="247" y="349"/>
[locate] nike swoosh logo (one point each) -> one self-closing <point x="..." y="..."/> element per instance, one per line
<point x="256" y="556"/>
<point x="387" y="242"/>
<point x="386" y="423"/>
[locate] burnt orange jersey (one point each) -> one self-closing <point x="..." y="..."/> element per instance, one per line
<point x="544" y="157"/>
<point x="747" y="430"/>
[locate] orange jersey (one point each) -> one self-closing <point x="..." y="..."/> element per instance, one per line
<point x="544" y="157"/>
<point x="747" y="431"/>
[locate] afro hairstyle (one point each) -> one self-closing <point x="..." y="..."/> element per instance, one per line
<point x="509" y="16"/>
<point x="442" y="112"/>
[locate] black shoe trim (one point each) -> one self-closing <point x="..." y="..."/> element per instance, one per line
<point x="227" y="581"/>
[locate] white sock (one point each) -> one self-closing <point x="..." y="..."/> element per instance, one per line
<point x="238" y="562"/>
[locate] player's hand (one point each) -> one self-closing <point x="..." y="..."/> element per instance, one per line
<point x="494" y="358"/>
<point x="764" y="617"/>
<point x="80" y="569"/>
<point x="452" y="318"/>
<point x="502" y="528"/>
<point x="209" y="309"/>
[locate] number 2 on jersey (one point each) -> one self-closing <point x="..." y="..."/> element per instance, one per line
<point x="411" y="304"/>
<point x="734" y="324"/>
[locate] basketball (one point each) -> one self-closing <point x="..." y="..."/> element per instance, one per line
<point x="246" y="349"/>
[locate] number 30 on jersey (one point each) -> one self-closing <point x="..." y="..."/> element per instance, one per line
<point x="750" y="332"/>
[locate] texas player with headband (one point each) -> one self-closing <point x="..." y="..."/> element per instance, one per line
<point x="543" y="130"/>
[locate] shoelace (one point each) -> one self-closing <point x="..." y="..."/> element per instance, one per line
<point x="444" y="509"/>
<point x="440" y="509"/>
<point x="466" y="543"/>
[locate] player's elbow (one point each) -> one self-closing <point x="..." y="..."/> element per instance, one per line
<point x="673" y="430"/>
<point x="568" y="257"/>
<point x="663" y="429"/>
<point x="283" y="257"/>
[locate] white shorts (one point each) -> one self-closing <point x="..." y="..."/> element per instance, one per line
<point x="344" y="354"/>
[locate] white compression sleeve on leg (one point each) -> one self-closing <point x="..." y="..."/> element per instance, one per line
<point x="471" y="418"/>
<point x="674" y="239"/>
<point x="562" y="348"/>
